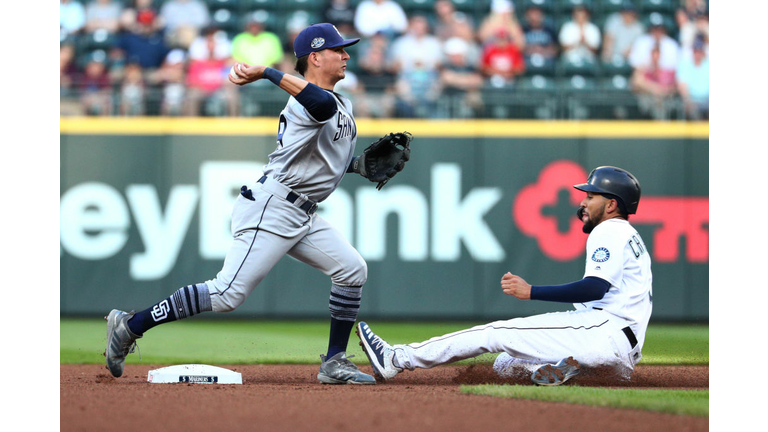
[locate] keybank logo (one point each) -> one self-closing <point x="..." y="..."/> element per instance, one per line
<point x="96" y="218"/>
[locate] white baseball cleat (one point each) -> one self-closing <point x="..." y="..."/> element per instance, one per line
<point x="379" y="353"/>
<point x="552" y="375"/>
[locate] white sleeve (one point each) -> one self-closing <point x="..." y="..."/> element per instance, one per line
<point x="568" y="34"/>
<point x="605" y="256"/>
<point x="592" y="36"/>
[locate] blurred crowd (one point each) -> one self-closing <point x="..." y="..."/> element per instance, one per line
<point x="172" y="57"/>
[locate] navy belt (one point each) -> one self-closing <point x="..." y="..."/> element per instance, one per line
<point x="630" y="336"/>
<point x="627" y="332"/>
<point x="309" y="206"/>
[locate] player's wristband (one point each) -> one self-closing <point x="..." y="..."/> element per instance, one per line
<point x="354" y="165"/>
<point x="588" y="289"/>
<point x="273" y="75"/>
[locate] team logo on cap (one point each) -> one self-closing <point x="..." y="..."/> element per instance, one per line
<point x="317" y="42"/>
<point x="601" y="255"/>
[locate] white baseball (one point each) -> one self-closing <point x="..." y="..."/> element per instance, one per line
<point x="232" y="72"/>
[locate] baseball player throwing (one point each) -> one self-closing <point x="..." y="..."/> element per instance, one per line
<point x="276" y="215"/>
<point x="612" y="301"/>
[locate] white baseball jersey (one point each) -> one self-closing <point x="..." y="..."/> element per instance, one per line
<point x="593" y="334"/>
<point x="617" y="254"/>
<point x="311" y="156"/>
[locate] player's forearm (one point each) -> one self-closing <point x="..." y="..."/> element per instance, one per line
<point x="588" y="289"/>
<point x="291" y="84"/>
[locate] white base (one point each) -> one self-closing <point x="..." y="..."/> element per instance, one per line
<point x="194" y="373"/>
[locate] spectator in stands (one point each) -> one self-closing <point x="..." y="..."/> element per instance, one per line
<point x="502" y="60"/>
<point x="207" y="80"/>
<point x="184" y="19"/>
<point x="133" y="91"/>
<point x="172" y="76"/>
<point x="296" y="22"/>
<point x="640" y="54"/>
<point x="621" y="30"/>
<point x="462" y="29"/>
<point x="447" y="19"/>
<point x="416" y="44"/>
<point x="211" y="36"/>
<point x="461" y="79"/>
<point x="341" y="14"/>
<point x="103" y="14"/>
<point x="540" y="37"/>
<point x="144" y="44"/>
<point x="693" y="82"/>
<point x="94" y="86"/>
<point x="135" y="18"/>
<point x="502" y="16"/>
<point x="579" y="38"/>
<point x="694" y="7"/>
<point x="416" y="92"/>
<point x="386" y="16"/>
<point x="68" y="103"/>
<point x="693" y="28"/>
<point x="71" y="18"/>
<point x="256" y="46"/>
<point x="654" y="85"/>
<point x="378" y="81"/>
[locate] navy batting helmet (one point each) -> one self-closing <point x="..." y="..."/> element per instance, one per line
<point x="615" y="182"/>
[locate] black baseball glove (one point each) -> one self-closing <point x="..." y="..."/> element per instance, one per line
<point x="384" y="158"/>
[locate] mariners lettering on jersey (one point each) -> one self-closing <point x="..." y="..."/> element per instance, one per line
<point x="637" y="246"/>
<point x="345" y="127"/>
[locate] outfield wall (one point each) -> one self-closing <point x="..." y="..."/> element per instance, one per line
<point x="145" y="207"/>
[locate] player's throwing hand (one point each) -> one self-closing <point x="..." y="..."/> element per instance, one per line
<point x="241" y="73"/>
<point x="515" y="286"/>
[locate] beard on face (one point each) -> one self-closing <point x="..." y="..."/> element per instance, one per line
<point x="592" y="220"/>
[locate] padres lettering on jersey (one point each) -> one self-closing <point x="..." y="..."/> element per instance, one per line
<point x="345" y="127"/>
<point x="312" y="156"/>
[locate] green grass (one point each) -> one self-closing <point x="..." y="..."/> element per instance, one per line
<point x="82" y="341"/>
<point x="683" y="402"/>
<point x="243" y="342"/>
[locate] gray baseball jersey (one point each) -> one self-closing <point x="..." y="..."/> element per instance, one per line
<point x="309" y="162"/>
<point x="311" y="156"/>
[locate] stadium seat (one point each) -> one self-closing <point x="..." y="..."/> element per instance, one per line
<point x="305" y="5"/>
<point x="536" y="83"/>
<point x="99" y="39"/>
<point x="566" y="6"/>
<point x="618" y="65"/>
<point x="576" y="84"/>
<point x="548" y="6"/>
<point x="663" y="6"/>
<point x="232" y="5"/>
<point x="615" y="84"/>
<point x="529" y="98"/>
<point x="669" y="23"/>
<point x="608" y="7"/>
<point x="538" y="65"/>
<point x="251" y="5"/>
<point x="414" y="6"/>
<point x="568" y="68"/>
<point x="227" y="20"/>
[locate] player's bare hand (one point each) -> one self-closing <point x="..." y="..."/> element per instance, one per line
<point x="242" y="74"/>
<point x="515" y="286"/>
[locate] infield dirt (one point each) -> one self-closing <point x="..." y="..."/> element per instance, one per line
<point x="289" y="398"/>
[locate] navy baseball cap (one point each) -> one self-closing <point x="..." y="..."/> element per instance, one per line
<point x="318" y="37"/>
